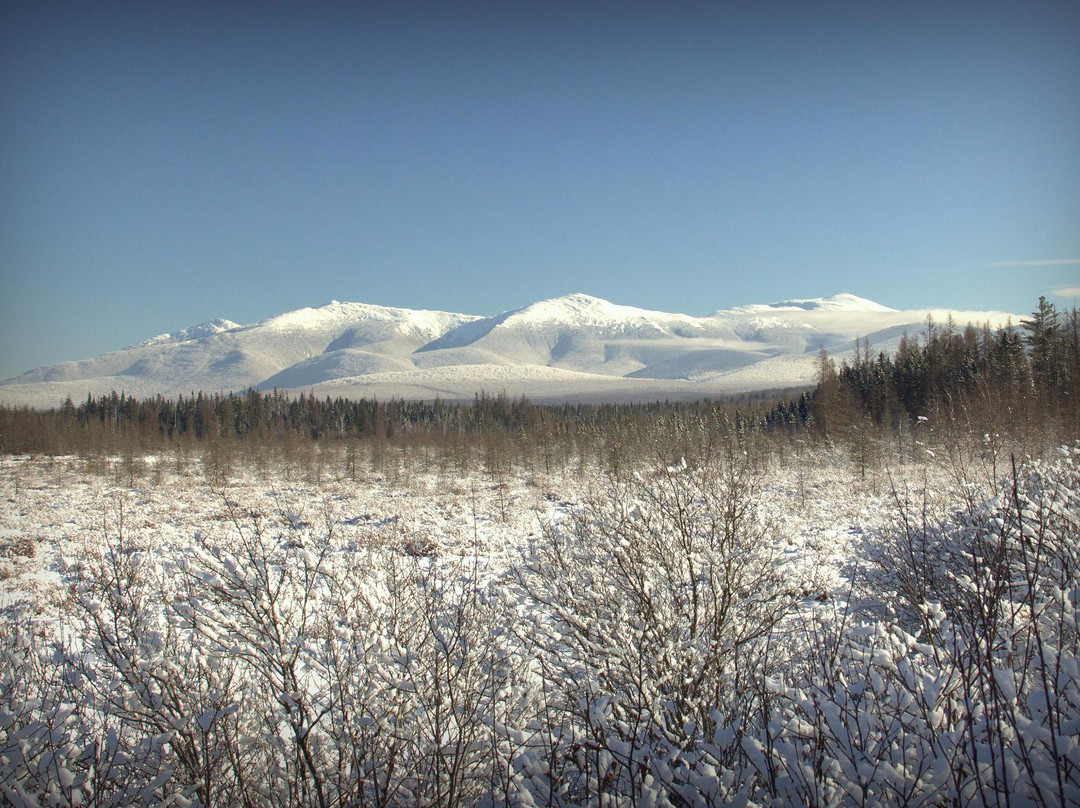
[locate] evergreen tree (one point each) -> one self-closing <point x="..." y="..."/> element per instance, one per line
<point x="1045" y="341"/>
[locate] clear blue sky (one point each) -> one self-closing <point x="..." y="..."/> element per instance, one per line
<point x="162" y="164"/>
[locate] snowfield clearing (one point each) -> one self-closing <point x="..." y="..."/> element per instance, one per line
<point x="405" y="629"/>
<point x="60" y="507"/>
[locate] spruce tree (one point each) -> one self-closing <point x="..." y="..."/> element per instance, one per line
<point x="1044" y="340"/>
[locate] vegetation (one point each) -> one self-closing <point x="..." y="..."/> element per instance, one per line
<point x="657" y="640"/>
<point x="1017" y="385"/>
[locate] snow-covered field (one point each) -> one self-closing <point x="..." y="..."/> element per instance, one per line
<point x="408" y="629"/>
<point x="57" y="508"/>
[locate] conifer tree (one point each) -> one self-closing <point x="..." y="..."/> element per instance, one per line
<point x="1045" y="340"/>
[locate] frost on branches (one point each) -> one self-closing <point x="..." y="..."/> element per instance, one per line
<point x="659" y="612"/>
<point x="655" y="643"/>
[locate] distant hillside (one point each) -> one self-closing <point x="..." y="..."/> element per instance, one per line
<point x="575" y="347"/>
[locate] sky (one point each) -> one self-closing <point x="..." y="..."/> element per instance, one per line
<point x="163" y="164"/>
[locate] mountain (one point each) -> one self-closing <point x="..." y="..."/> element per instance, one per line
<point x="207" y="329"/>
<point x="840" y="302"/>
<point x="572" y="347"/>
<point x="580" y="333"/>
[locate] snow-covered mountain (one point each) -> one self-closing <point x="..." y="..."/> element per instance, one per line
<point x="840" y="302"/>
<point x="571" y="347"/>
<point x="207" y="329"/>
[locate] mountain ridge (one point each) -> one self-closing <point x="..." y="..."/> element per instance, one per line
<point x="590" y="347"/>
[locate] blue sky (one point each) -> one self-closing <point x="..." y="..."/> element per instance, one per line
<point x="164" y="164"/>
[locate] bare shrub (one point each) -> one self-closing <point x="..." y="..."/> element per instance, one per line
<point x="278" y="665"/>
<point x="977" y="700"/>
<point x="19" y="547"/>
<point x="657" y="609"/>
<point x="653" y="647"/>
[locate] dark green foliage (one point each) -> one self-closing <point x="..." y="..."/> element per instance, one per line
<point x="1017" y="381"/>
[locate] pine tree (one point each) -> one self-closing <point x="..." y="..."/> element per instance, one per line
<point x="1045" y="341"/>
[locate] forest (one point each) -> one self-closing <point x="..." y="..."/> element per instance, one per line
<point x="863" y="593"/>
<point x="1022" y="381"/>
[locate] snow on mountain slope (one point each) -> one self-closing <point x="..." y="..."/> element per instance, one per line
<point x="207" y="329"/>
<point x="831" y="322"/>
<point x="539" y="383"/>
<point x="374" y="339"/>
<point x="840" y="302"/>
<point x="583" y="311"/>
<point x="587" y="334"/>
<point x="333" y="365"/>
<point x="221" y="356"/>
<point x="575" y="346"/>
<point x="384" y="321"/>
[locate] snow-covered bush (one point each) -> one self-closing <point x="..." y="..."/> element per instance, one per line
<point x="658" y="611"/>
<point x="76" y="733"/>
<point x="967" y="689"/>
<point x="656" y="643"/>
<point x="282" y="664"/>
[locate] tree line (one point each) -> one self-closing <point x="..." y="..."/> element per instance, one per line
<point x="1022" y="379"/>
<point x="116" y="421"/>
<point x="1019" y="381"/>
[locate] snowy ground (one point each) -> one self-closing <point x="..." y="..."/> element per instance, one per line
<point x="410" y="625"/>
<point x="56" y="508"/>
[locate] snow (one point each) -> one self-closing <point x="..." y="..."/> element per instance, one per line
<point x="412" y="593"/>
<point x="581" y="311"/>
<point x="64" y="504"/>
<point x="207" y="329"/>
<point x="596" y="346"/>
<point x="335" y="316"/>
<point x="839" y="302"/>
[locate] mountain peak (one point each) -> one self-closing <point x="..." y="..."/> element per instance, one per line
<point x="839" y="302"/>
<point x="842" y="302"/>
<point x="337" y="315"/>
<point x="207" y="329"/>
<point x="577" y="308"/>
